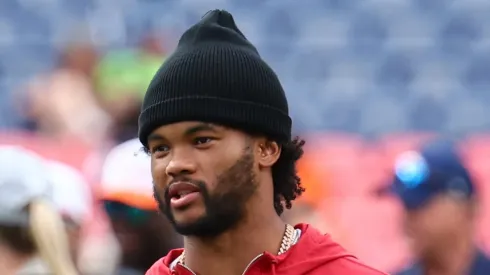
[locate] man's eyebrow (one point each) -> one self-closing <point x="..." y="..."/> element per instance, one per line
<point x="199" y="128"/>
<point x="155" y="137"/>
<point x="190" y="131"/>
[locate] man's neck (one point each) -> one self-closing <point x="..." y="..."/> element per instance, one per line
<point x="456" y="259"/>
<point x="231" y="252"/>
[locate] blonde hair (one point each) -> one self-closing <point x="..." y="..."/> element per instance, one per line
<point x="50" y="238"/>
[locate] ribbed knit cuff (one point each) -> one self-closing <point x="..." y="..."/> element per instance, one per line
<point x="245" y="115"/>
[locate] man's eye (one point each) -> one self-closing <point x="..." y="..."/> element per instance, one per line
<point x="158" y="149"/>
<point x="202" y="140"/>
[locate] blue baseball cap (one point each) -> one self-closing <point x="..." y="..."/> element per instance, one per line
<point x="434" y="169"/>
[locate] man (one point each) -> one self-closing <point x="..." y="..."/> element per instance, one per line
<point x="127" y="198"/>
<point x="440" y="202"/>
<point x="215" y="123"/>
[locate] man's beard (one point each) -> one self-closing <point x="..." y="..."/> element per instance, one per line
<point x="225" y="207"/>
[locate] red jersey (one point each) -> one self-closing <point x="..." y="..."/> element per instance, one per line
<point x="313" y="254"/>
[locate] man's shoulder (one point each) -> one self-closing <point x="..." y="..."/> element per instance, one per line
<point x="320" y="254"/>
<point x="162" y="266"/>
<point x="158" y="268"/>
<point x="349" y="265"/>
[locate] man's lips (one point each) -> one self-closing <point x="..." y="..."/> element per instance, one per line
<point x="182" y="194"/>
<point x="180" y="189"/>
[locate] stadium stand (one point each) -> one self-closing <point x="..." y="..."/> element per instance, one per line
<point x="367" y="67"/>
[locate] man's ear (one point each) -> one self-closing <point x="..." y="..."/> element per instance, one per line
<point x="268" y="153"/>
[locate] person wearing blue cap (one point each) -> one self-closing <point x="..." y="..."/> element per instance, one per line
<point x="439" y="197"/>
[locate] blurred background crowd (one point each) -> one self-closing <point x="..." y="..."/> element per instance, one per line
<point x="366" y="80"/>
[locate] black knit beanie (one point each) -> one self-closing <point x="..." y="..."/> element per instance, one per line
<point x="216" y="75"/>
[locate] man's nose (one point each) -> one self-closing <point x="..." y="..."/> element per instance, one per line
<point x="181" y="163"/>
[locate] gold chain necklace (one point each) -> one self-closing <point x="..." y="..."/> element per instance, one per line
<point x="286" y="243"/>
